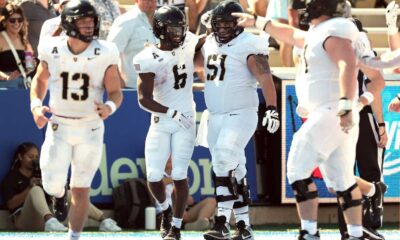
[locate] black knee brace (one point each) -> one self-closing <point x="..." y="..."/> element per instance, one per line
<point x="302" y="192"/>
<point x="244" y="190"/>
<point x="229" y="182"/>
<point x="348" y="201"/>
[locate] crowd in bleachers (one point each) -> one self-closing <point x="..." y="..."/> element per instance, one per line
<point x="130" y="27"/>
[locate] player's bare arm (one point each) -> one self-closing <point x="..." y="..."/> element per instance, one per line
<point x="38" y="93"/>
<point x="342" y="54"/>
<point x="112" y="84"/>
<point x="145" y="84"/>
<point x="259" y="67"/>
<point x="199" y="61"/>
<point x="280" y="31"/>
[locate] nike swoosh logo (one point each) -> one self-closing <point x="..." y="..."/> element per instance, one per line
<point x="230" y="45"/>
<point x="91" y="58"/>
<point x="94" y="129"/>
<point x="225" y="234"/>
<point x="234" y="114"/>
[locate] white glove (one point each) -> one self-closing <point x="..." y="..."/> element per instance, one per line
<point x="184" y="121"/>
<point x="271" y="119"/>
<point x="206" y="19"/>
<point x="391" y="17"/>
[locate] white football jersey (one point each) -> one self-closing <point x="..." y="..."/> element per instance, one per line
<point x="318" y="78"/>
<point x="229" y="83"/>
<point x="76" y="80"/>
<point x="173" y="73"/>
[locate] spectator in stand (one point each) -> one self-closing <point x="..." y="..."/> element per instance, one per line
<point x="108" y="10"/>
<point x="52" y="26"/>
<point x="36" y="13"/>
<point x="13" y="26"/>
<point x="3" y="4"/>
<point x="130" y="32"/>
<point x="278" y="10"/>
<point x="30" y="207"/>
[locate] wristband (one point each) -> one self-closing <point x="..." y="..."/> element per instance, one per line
<point x="112" y="105"/>
<point x="398" y="96"/>
<point x="171" y="113"/>
<point x="369" y="96"/>
<point x="382" y="124"/>
<point x="261" y="22"/>
<point x="36" y="103"/>
<point x="344" y="107"/>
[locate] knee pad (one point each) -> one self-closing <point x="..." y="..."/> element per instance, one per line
<point x="348" y="201"/>
<point x="244" y="190"/>
<point x="302" y="192"/>
<point x="154" y="175"/>
<point x="230" y="182"/>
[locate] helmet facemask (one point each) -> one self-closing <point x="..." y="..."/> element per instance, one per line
<point x="225" y="31"/>
<point x="223" y="24"/>
<point x="75" y="10"/>
<point x="174" y="35"/>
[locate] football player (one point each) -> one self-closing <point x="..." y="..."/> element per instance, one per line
<point x="76" y="69"/>
<point x="327" y="91"/>
<point x="165" y="90"/>
<point x="234" y="62"/>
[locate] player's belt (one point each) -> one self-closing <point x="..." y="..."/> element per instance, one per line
<point x="66" y="117"/>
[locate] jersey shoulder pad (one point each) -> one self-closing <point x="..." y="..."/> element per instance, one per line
<point x="255" y="44"/>
<point x="110" y="51"/>
<point x="48" y="46"/>
<point x="146" y="60"/>
<point x="343" y="28"/>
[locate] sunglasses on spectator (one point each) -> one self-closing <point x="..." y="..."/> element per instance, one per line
<point x="14" y="20"/>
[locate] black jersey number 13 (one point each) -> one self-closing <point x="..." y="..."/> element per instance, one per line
<point x="75" y="77"/>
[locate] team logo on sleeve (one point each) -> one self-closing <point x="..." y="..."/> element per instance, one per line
<point x="137" y="67"/>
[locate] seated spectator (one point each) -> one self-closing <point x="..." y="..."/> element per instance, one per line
<point x="36" y="13"/>
<point x="13" y="26"/>
<point x="30" y="207"/>
<point x="197" y="216"/>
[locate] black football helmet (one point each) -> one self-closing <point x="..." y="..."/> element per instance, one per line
<point x="316" y="8"/>
<point x="169" y="25"/>
<point x="223" y="24"/>
<point x="74" y="10"/>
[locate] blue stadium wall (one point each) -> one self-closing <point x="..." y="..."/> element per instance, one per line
<point x="124" y="140"/>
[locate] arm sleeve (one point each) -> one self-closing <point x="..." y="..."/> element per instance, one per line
<point x="343" y="29"/>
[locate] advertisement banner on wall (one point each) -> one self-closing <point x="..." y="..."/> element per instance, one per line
<point x="123" y="152"/>
<point x="291" y="122"/>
